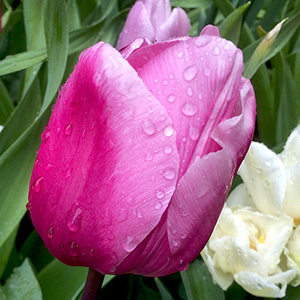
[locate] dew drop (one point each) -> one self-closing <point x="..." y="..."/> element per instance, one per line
<point x="189" y="109"/>
<point x="180" y="54"/>
<point x="259" y="170"/>
<point x="129" y="243"/>
<point x="155" y="80"/>
<point x="74" y="223"/>
<point x="165" y="82"/>
<point x="182" y="265"/>
<point x="74" y="249"/>
<point x="140" y="215"/>
<point x="190" y="73"/>
<point x="68" y="129"/>
<point x="48" y="167"/>
<point x="28" y="206"/>
<point x="45" y="135"/>
<point x="267" y="183"/>
<point x="169" y="173"/>
<point x="216" y="51"/>
<point x="37" y="184"/>
<point x="171" y="98"/>
<point x="159" y="194"/>
<point x="148" y="128"/>
<point x="168" y="131"/>
<point x="269" y="162"/>
<point x="175" y="243"/>
<point x="158" y="206"/>
<point x="203" y="40"/>
<point x="194" y="133"/>
<point x="149" y="157"/>
<point x="168" y="150"/>
<point x="189" y="91"/>
<point x="50" y="231"/>
<point x="183" y="236"/>
<point x="185" y="213"/>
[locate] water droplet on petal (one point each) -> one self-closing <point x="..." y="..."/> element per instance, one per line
<point x="75" y="223"/>
<point x="149" y="157"/>
<point x="129" y="243"/>
<point x="174" y="243"/>
<point x="159" y="194"/>
<point x="183" y="236"/>
<point x="216" y="50"/>
<point x="180" y="54"/>
<point x="74" y="249"/>
<point x="207" y="71"/>
<point x="168" y="150"/>
<point x="269" y="162"/>
<point x="165" y="82"/>
<point x="68" y="129"/>
<point x="171" y="98"/>
<point x="189" y="91"/>
<point x="259" y="169"/>
<point x="148" y="127"/>
<point x="182" y="265"/>
<point x="190" y="73"/>
<point x="267" y="183"/>
<point x="50" y="231"/>
<point x="45" y="135"/>
<point x="194" y="133"/>
<point x="169" y="173"/>
<point x="37" y="184"/>
<point x="189" y="109"/>
<point x="158" y="206"/>
<point x="28" y="206"/>
<point x="168" y="131"/>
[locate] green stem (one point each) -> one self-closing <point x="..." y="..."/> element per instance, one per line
<point x="93" y="285"/>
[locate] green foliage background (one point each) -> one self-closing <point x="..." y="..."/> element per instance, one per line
<point x="39" y="45"/>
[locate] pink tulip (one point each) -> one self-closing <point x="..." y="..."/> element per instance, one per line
<point x="153" y="19"/>
<point x="140" y="152"/>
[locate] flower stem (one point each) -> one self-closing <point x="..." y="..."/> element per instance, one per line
<point x="93" y="285"/>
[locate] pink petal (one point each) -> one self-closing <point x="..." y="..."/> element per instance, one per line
<point x="108" y="143"/>
<point x="137" y="25"/>
<point x="210" y="30"/>
<point x="201" y="192"/>
<point x="197" y="81"/>
<point x="158" y="10"/>
<point x="178" y="24"/>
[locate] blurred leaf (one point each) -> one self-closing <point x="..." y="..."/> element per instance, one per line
<point x="6" y="105"/>
<point x="252" y="12"/>
<point x="191" y="3"/>
<point x="198" y="283"/>
<point x="5" y="251"/>
<point x="230" y="28"/>
<point x="271" y="17"/>
<point x="21" y="61"/>
<point x="288" y="99"/>
<point x="73" y="15"/>
<point x="68" y="281"/>
<point x="35" y="37"/>
<point x="22" y="284"/>
<point x="56" y="33"/>
<point x="164" y="293"/>
<point x="225" y="6"/>
<point x="292" y="293"/>
<point x="140" y="291"/>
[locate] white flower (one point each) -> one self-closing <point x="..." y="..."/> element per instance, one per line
<point x="257" y="239"/>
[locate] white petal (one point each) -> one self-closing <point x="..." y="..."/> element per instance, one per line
<point x="291" y="154"/>
<point x="240" y="197"/>
<point x="264" y="175"/>
<point x="258" y="286"/>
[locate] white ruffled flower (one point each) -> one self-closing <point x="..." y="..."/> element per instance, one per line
<point x="257" y="239"/>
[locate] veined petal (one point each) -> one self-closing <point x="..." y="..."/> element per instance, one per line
<point x="158" y="10"/>
<point x="264" y="175"/>
<point x="102" y="153"/>
<point x="137" y="25"/>
<point x="210" y="30"/>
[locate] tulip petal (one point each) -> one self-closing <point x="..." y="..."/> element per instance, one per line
<point x="210" y="30"/>
<point x="264" y="175"/>
<point x="159" y="11"/>
<point x="102" y="153"/>
<point x="137" y="25"/>
<point x="178" y="24"/>
<point x="259" y="286"/>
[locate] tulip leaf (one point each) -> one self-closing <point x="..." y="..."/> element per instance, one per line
<point x="56" y="33"/>
<point x="68" y="281"/>
<point x="230" y="28"/>
<point x="22" y="284"/>
<point x="191" y="3"/>
<point x="198" y="283"/>
<point x="21" y="61"/>
<point x="164" y="293"/>
<point x="35" y="37"/>
<point x="6" y="104"/>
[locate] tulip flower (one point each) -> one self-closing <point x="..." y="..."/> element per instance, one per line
<point x="153" y="19"/>
<point x="256" y="242"/>
<point x="140" y="152"/>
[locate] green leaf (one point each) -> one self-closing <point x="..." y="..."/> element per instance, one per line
<point x="6" y="104"/>
<point x="21" y="61"/>
<point x="68" y="281"/>
<point x="56" y="33"/>
<point x="21" y="285"/>
<point x="204" y="4"/>
<point x="198" y="283"/>
<point x="230" y="28"/>
<point x="164" y="293"/>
